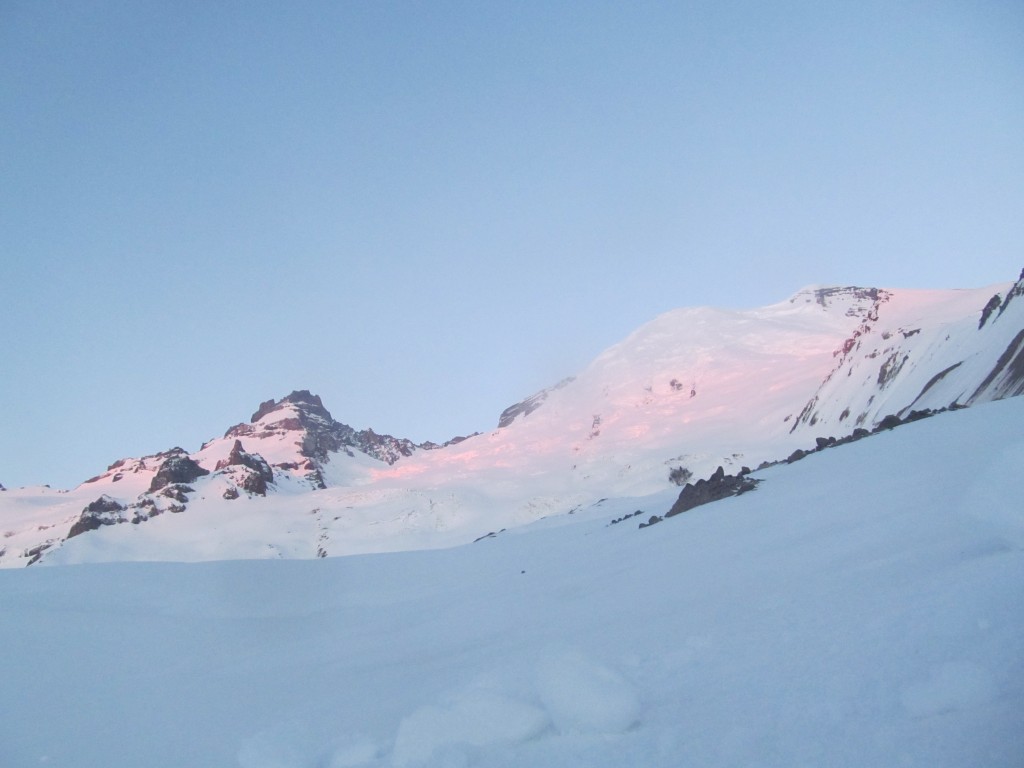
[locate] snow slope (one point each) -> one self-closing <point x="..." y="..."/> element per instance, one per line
<point x="692" y="389"/>
<point x="863" y="606"/>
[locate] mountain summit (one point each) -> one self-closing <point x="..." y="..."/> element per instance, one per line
<point x="690" y="391"/>
<point x="300" y="421"/>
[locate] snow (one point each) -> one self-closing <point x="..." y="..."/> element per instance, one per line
<point x="694" y="388"/>
<point x="863" y="606"/>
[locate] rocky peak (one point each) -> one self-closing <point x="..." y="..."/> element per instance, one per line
<point x="308" y="405"/>
<point x="304" y="412"/>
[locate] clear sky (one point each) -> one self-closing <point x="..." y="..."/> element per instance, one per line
<point x="427" y="211"/>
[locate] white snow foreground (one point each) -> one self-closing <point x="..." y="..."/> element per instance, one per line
<point x="863" y="606"/>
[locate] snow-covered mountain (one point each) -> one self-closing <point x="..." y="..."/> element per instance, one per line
<point x="692" y="390"/>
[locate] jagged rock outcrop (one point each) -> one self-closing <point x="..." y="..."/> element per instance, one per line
<point x="34" y="554"/>
<point x="1013" y="293"/>
<point x="718" y="486"/>
<point x="993" y="304"/>
<point x="239" y="457"/>
<point x="251" y="472"/>
<point x="103" y="511"/>
<point x="177" y="467"/>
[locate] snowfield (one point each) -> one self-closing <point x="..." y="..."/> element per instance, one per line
<point x="863" y="606"/>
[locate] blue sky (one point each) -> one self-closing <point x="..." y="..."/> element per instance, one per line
<point x="427" y="211"/>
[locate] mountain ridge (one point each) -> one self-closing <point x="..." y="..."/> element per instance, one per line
<point x="692" y="390"/>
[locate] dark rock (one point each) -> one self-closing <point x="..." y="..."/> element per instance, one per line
<point x="231" y="493"/>
<point x="1013" y="293"/>
<point x="718" y="486"/>
<point x="988" y="309"/>
<point x="83" y="524"/>
<point x="935" y="380"/>
<point x="796" y="455"/>
<point x="890" y="369"/>
<point x="917" y="415"/>
<point x="37" y="552"/>
<point x="249" y="471"/>
<point x="255" y="462"/>
<point x="267" y="406"/>
<point x="529" y="405"/>
<point x="316" y="479"/>
<point x="143" y="510"/>
<point x="654" y="519"/>
<point x="176" y="492"/>
<point x="454" y="441"/>
<point x="103" y="511"/>
<point x="618" y="520"/>
<point x="104" y="504"/>
<point x="1006" y="379"/>
<point x="177" y="468"/>
<point x="253" y="482"/>
<point x="889" y="422"/>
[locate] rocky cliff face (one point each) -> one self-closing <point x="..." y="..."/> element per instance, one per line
<point x="905" y="355"/>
